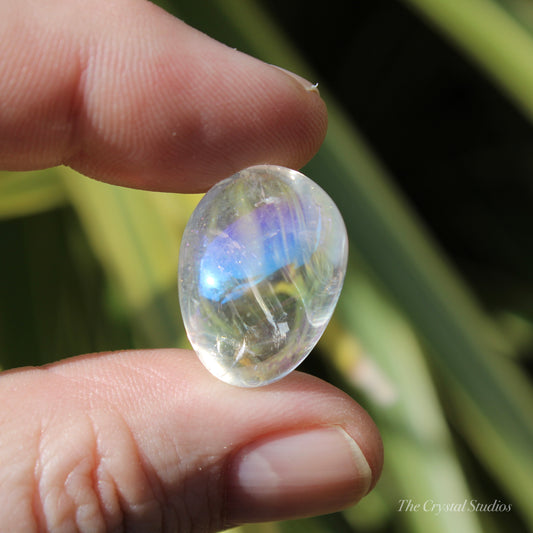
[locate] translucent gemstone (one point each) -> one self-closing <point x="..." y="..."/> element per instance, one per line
<point x="262" y="262"/>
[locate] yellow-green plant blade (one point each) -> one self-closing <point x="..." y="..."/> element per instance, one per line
<point x="419" y="451"/>
<point x="462" y="340"/>
<point x="135" y="235"/>
<point x="27" y="193"/>
<point x="267" y="527"/>
<point x="493" y="37"/>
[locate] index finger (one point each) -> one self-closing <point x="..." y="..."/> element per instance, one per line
<point x="126" y="93"/>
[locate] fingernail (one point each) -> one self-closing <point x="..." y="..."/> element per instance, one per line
<point x="307" y="85"/>
<point x="295" y="475"/>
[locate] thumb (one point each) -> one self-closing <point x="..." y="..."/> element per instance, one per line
<point x="150" y="441"/>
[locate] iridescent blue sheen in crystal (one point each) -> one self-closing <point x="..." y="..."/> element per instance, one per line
<point x="231" y="262"/>
<point x="262" y="262"/>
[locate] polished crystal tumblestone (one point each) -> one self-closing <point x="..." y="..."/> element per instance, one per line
<point x="261" y="267"/>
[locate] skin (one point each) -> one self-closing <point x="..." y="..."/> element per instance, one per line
<point x="148" y="441"/>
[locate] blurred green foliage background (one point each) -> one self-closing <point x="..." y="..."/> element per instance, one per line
<point x="429" y="157"/>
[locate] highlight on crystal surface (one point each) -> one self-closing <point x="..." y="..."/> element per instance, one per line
<point x="261" y="267"/>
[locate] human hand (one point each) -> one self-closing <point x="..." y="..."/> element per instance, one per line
<point x="149" y="440"/>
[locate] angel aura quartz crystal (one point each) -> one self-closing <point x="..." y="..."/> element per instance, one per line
<point x="261" y="267"/>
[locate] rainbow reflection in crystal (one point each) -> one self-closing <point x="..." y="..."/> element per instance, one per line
<point x="262" y="262"/>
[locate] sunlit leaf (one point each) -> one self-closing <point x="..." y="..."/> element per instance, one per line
<point x="27" y="193"/>
<point x="496" y="40"/>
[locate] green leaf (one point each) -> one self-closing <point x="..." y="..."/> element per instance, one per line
<point x="136" y="236"/>
<point x="387" y="364"/>
<point x="499" y="42"/>
<point x="27" y="193"/>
